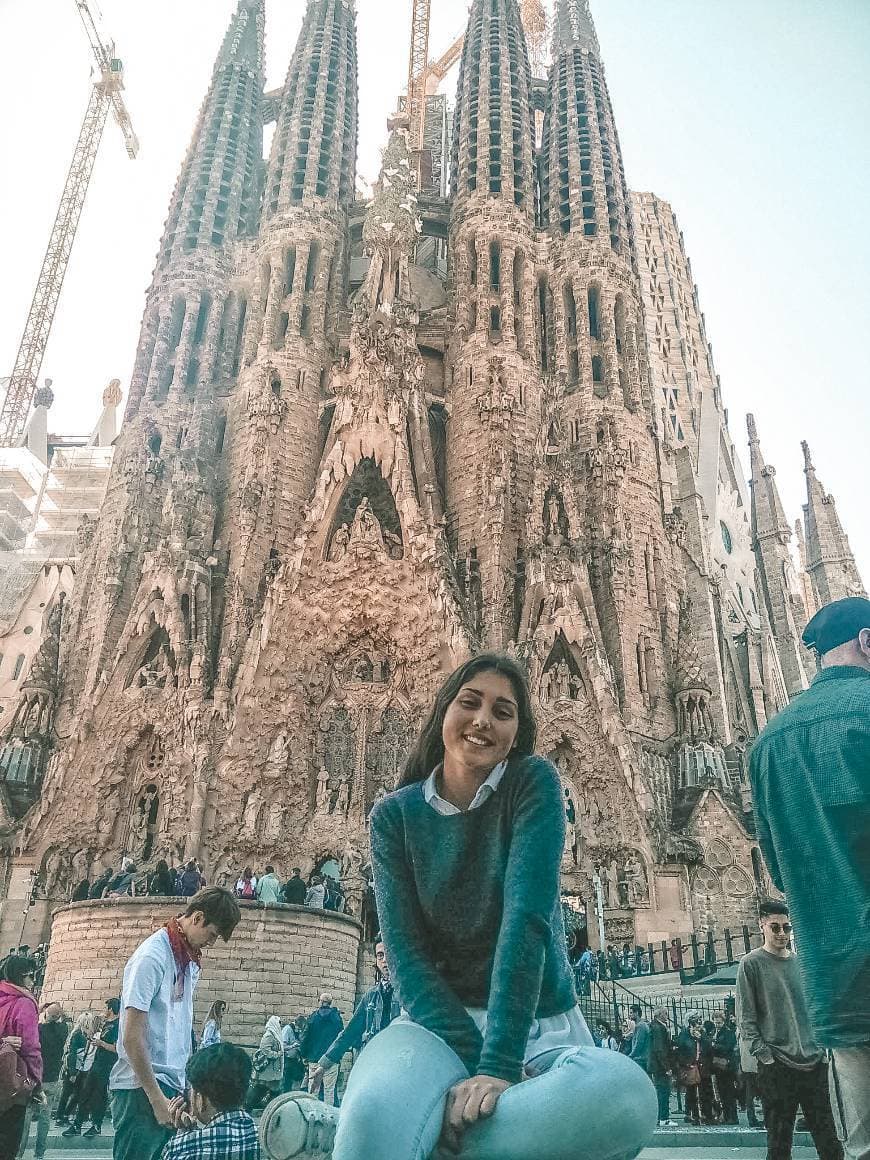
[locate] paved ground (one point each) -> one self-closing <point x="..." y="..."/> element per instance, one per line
<point x="679" y="1144"/>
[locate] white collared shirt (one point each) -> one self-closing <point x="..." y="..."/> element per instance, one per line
<point x="442" y="806"/>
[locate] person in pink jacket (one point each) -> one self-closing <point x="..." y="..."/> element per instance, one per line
<point x="19" y="1026"/>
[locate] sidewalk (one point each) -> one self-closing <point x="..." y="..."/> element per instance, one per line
<point x="684" y="1143"/>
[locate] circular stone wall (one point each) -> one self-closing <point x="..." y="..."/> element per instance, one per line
<point x="278" y="961"/>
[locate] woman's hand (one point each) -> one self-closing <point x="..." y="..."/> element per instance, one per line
<point x="467" y="1102"/>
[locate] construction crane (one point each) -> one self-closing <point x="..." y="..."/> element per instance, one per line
<point x="425" y="76"/>
<point x="106" y="94"/>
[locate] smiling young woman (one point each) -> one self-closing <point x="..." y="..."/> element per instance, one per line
<point x="491" y="1054"/>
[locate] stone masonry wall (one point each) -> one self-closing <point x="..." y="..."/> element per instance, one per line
<point x="278" y="961"/>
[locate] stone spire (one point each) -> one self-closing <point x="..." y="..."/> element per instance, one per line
<point x="573" y="26"/>
<point x="830" y="562"/>
<point x="215" y="199"/>
<point x="583" y="188"/>
<point x="314" y="150"/>
<point x="493" y="141"/>
<point x="778" y="582"/>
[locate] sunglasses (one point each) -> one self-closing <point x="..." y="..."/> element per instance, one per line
<point x="781" y="928"/>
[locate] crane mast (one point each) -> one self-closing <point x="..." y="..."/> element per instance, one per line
<point x="105" y="95"/>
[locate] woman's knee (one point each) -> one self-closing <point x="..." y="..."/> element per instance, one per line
<point x="617" y="1083"/>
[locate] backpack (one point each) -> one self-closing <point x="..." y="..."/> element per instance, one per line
<point x="248" y="889"/>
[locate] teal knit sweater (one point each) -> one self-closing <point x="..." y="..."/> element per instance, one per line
<point x="471" y="916"/>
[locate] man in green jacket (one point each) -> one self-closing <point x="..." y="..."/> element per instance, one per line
<point x="810" y="774"/>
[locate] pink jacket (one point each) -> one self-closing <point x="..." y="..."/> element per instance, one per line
<point x="19" y="1015"/>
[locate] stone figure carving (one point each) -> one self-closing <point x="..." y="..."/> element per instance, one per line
<point x="156" y="673"/>
<point x="279" y="750"/>
<point x="251" y="813"/>
<point x="340" y="542"/>
<point x="612" y="886"/>
<point x="322" y="797"/>
<point x="636" y="879"/>
<point x="342" y="800"/>
<point x="365" y="530"/>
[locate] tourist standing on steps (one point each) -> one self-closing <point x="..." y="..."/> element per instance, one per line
<point x="269" y="887"/>
<point x="640" y="1040"/>
<point x="315" y="895"/>
<point x="322" y="1029"/>
<point x="810" y="773"/>
<point x="661" y="1063"/>
<point x="268" y="1065"/>
<point x="772" y="1014"/>
<point x="156" y="1028"/>
<point x="493" y="1055"/>
<point x="375" y="1011"/>
<point x="94" y="1094"/>
<point x="53" y="1031"/>
<point x="294" y="889"/>
<point x="688" y="1053"/>
<point x="724" y="1063"/>
<point x="19" y="1029"/>
<point x="211" y="1031"/>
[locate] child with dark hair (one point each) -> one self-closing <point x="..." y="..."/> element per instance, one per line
<point x="218" y="1078"/>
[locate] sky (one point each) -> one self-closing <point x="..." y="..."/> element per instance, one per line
<point x="749" y="116"/>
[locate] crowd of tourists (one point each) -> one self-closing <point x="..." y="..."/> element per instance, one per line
<point x="475" y="993"/>
<point x="320" y="891"/>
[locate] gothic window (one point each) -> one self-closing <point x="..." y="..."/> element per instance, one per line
<point x="19" y="665"/>
<point x="311" y="269"/>
<point x="519" y="267"/>
<point x="597" y="369"/>
<point x="719" y="855"/>
<point x="737" y="883"/>
<point x="727" y="541"/>
<point x="387" y="749"/>
<point x="143" y="824"/>
<point x="706" y="881"/>
<point x="594" y="301"/>
<point x="289" y="270"/>
<point x="205" y="304"/>
<point x="619" y="323"/>
<point x="176" y="324"/>
<point x="494" y="266"/>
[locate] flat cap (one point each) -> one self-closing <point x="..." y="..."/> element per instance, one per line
<point x="836" y="623"/>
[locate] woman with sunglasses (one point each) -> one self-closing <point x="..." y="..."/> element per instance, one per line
<point x="19" y="1030"/>
<point x="491" y="1055"/>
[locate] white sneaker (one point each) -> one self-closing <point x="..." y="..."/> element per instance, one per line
<point x="296" y="1126"/>
<point x="668" y="1124"/>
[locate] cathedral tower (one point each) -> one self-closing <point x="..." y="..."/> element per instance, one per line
<point x="830" y="563"/>
<point x="591" y="306"/>
<point x="495" y="357"/>
<point x="296" y="279"/>
<point x="159" y="511"/>
<point x="779" y="584"/>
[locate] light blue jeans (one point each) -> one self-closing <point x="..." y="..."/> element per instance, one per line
<point x="587" y="1103"/>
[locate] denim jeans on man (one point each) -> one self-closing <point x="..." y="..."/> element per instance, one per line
<point x="393" y="1108"/>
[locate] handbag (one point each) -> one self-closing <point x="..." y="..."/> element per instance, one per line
<point x="16" y="1086"/>
<point x="690" y="1075"/>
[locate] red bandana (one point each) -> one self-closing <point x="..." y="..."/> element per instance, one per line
<point x="183" y="953"/>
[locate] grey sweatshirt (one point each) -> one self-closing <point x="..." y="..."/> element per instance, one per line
<point x="471" y="915"/>
<point x="772" y="1011"/>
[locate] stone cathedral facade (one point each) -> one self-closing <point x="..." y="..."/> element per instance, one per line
<point x="364" y="440"/>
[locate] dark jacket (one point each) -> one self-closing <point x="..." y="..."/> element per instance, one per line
<point x="100" y="885"/>
<point x="52" y="1038"/>
<point x="367" y="1021"/>
<point x="162" y="883"/>
<point x="104" y="1060"/>
<point x="189" y="882"/>
<point x="810" y="774"/>
<point x="294" y="892"/>
<point x="324" y="1025"/>
<point x="691" y="1050"/>
<point x="81" y="892"/>
<point x="660" y="1051"/>
<point x="725" y="1046"/>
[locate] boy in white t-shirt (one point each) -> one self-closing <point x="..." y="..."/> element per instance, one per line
<point x="155" y="1036"/>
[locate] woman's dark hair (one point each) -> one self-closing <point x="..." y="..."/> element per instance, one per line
<point x="162" y="867"/>
<point x="222" y="1074"/>
<point x="191" y="865"/>
<point x="429" y="749"/>
<point x="218" y="908"/>
<point x="114" y="1005"/>
<point x="603" y="1023"/>
<point x="247" y="873"/>
<point x="15" y="968"/>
